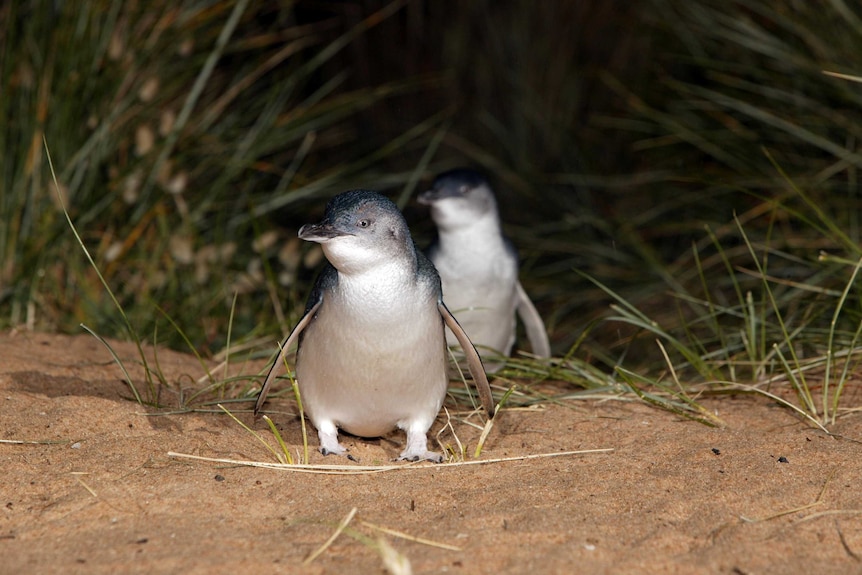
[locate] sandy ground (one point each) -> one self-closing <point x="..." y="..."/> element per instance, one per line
<point x="97" y="491"/>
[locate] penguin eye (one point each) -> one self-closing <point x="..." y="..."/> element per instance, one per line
<point x="363" y="223"/>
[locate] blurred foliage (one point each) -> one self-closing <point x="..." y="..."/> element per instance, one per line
<point x="745" y="122"/>
<point x="192" y="138"/>
<point x="179" y="131"/>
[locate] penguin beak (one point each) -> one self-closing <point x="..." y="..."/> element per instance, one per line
<point x="320" y="232"/>
<point x="428" y="198"/>
<point x="436" y="194"/>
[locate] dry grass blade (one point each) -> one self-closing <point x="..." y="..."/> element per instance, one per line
<point x="341" y="526"/>
<point x="368" y="469"/>
<point x="849" y="77"/>
<point x="807" y="416"/>
<point x="277" y="455"/>
<point x="780" y="513"/>
<point x="287" y="457"/>
<point x="34" y="441"/>
<point x="84" y="485"/>
<point x="453" y="455"/>
<point x="104" y="284"/>
<point x="814" y="503"/>
<point x="489" y="424"/>
<point x="402" y="535"/>
<point x="396" y="563"/>
<point x="830" y="513"/>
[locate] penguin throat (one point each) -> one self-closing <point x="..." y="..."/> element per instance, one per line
<point x="482" y="236"/>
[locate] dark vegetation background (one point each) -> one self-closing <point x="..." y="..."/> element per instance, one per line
<point x="691" y="156"/>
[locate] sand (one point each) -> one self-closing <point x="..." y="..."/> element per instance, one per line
<point x="97" y="491"/>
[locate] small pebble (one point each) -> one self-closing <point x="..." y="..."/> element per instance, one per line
<point x="76" y="445"/>
<point x="219" y="477"/>
<point x="782" y="459"/>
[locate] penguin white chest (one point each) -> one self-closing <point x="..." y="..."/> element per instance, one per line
<point x="374" y="357"/>
<point x="479" y="286"/>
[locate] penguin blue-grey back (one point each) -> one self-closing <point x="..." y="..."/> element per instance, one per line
<point x="478" y="267"/>
<point x="371" y="351"/>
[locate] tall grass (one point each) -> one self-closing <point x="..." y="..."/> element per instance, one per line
<point x="743" y="119"/>
<point x="180" y="133"/>
<point x="681" y="178"/>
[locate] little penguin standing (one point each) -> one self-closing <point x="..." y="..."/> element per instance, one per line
<point x="479" y="266"/>
<point x="372" y="348"/>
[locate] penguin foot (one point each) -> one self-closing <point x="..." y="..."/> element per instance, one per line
<point x="340" y="451"/>
<point x="328" y="435"/>
<point x="424" y="455"/>
<point x="417" y="444"/>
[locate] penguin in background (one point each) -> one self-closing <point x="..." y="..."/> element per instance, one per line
<point x="478" y="266"/>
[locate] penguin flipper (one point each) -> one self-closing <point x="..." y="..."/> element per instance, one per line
<point x="536" y="332"/>
<point x="474" y="362"/>
<point x="282" y="351"/>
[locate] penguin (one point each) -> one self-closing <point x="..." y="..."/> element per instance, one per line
<point x="478" y="266"/>
<point x="371" y="353"/>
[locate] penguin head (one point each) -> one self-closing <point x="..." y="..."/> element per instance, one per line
<point x="360" y="230"/>
<point x="458" y="198"/>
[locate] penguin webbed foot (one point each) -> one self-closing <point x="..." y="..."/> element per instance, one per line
<point x="329" y="445"/>
<point x="325" y="451"/>
<point x="426" y="455"/>
<point x="417" y="445"/>
<point x="343" y="453"/>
